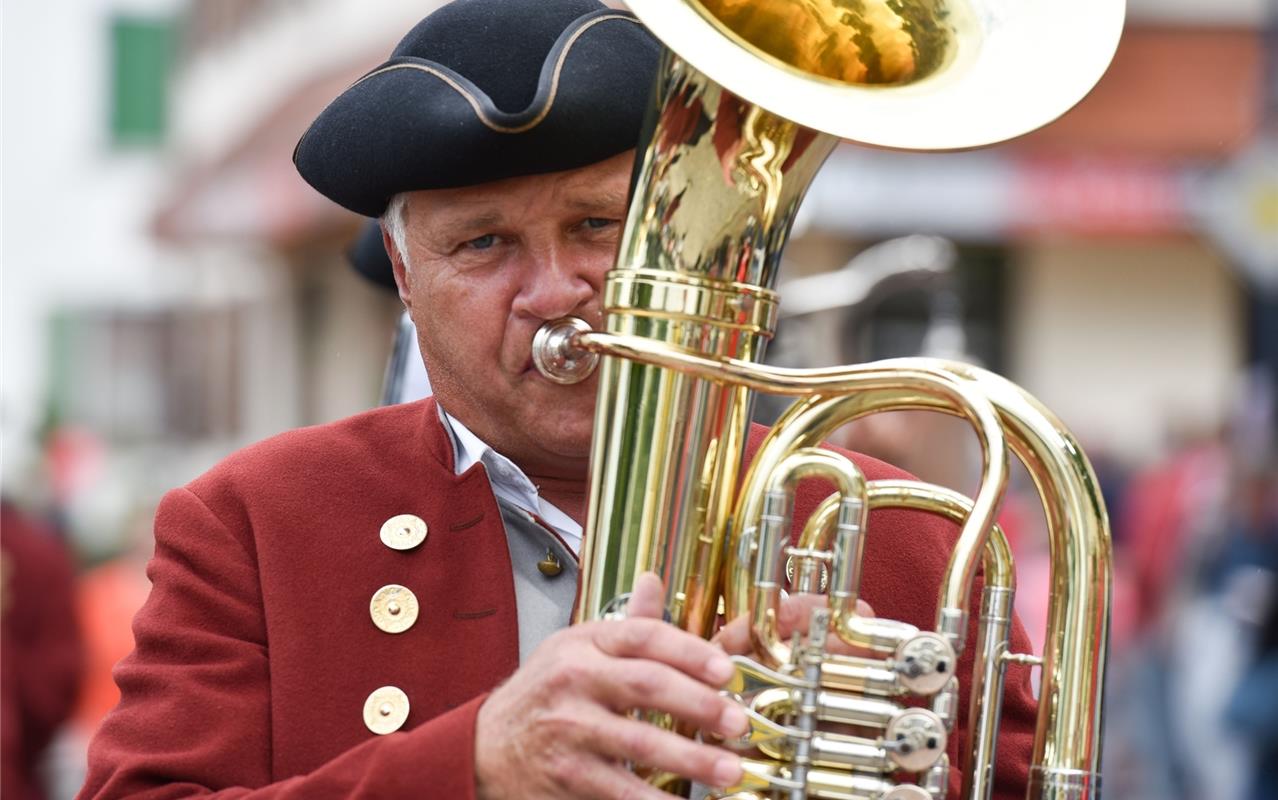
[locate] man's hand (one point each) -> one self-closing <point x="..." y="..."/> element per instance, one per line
<point x="559" y="727"/>
<point x="794" y="614"/>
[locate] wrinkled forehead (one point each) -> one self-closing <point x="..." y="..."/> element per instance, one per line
<point x="599" y="189"/>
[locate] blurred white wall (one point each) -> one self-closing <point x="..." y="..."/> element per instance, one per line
<point x="1127" y="341"/>
<point x="1198" y="12"/>
<point x="78" y="208"/>
<point x="224" y="91"/>
<point x="75" y="211"/>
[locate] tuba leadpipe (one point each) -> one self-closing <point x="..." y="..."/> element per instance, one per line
<point x="750" y="99"/>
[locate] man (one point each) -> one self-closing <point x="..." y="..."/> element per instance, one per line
<point x="258" y="670"/>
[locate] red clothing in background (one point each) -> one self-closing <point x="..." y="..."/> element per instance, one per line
<point x="40" y="651"/>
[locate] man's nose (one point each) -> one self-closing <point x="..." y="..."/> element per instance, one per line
<point x="559" y="283"/>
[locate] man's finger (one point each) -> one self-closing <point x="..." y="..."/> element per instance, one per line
<point x="624" y="684"/>
<point x="657" y="641"/>
<point x="734" y="637"/>
<point x="587" y="776"/>
<point x="795" y="614"/>
<point x="605" y="779"/>
<point x="646" y="597"/>
<point x="647" y="745"/>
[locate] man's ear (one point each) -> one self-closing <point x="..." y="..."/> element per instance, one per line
<point x="398" y="267"/>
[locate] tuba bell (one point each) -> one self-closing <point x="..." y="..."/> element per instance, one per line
<point x="751" y="97"/>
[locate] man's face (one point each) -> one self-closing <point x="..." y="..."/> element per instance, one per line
<point x="487" y="265"/>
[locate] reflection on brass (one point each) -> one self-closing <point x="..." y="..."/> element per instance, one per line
<point x="690" y="309"/>
<point x="403" y="532"/>
<point x="386" y="710"/>
<point x="550" y="566"/>
<point x="878" y="42"/>
<point x="789" y="574"/>
<point x="393" y="608"/>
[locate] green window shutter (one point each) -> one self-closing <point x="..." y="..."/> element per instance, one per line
<point x="142" y="55"/>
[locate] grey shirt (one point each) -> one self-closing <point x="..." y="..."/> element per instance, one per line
<point x="544" y="602"/>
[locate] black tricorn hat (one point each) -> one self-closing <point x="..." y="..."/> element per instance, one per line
<point x="482" y="90"/>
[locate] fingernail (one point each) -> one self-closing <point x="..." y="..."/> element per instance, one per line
<point x="720" y="669"/>
<point x="727" y="771"/>
<point x="733" y="722"/>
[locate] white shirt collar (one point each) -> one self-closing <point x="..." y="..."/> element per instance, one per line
<point x="508" y="481"/>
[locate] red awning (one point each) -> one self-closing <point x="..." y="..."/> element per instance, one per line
<point x="1172" y="94"/>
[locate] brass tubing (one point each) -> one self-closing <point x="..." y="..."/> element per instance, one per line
<point x="1067" y="738"/>
<point x="871" y="676"/>
<point x="1067" y="741"/>
<point x="992" y="636"/>
<point x="1066" y="756"/>
<point x="859" y="674"/>
<point x="845" y="544"/>
<point x="833" y="397"/>
<point x="716" y="188"/>
<point x="986" y="690"/>
<point x="834" y="750"/>
<point x="849" y="709"/>
<point x="774" y="537"/>
<point x="1066" y="752"/>
<point x="823" y="784"/>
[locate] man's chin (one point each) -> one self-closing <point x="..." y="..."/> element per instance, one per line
<point x="572" y="445"/>
<point x="562" y="429"/>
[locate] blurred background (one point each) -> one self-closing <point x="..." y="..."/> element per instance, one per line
<point x="172" y="291"/>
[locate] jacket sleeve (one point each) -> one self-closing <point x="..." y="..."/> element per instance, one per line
<point x="194" y="717"/>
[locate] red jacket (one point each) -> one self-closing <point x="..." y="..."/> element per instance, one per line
<point x="255" y="651"/>
<point x="41" y="652"/>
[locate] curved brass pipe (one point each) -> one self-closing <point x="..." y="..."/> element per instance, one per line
<point x="690" y="307"/>
<point x="774" y="537"/>
<point x="1074" y="653"/>
<point x="831" y="398"/>
<point x="986" y="692"/>
<point x="846" y="674"/>
<point x="1067" y="739"/>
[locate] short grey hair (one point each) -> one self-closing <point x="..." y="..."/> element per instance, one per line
<point x="393" y="222"/>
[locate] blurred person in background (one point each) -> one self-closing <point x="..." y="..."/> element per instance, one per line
<point x="257" y="666"/>
<point x="1246" y="574"/>
<point x="1253" y="706"/>
<point x="406" y="377"/>
<point x="1195" y="694"/>
<point x="41" y="655"/>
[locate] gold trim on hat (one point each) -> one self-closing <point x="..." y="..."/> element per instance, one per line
<point x="475" y="102"/>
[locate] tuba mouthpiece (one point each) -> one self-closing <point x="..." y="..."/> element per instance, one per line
<point x="557" y="355"/>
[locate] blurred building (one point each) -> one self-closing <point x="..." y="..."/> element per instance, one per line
<point x="1094" y="268"/>
<point x="195" y="296"/>
<point x="173" y="290"/>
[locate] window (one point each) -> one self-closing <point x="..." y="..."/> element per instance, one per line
<point x="146" y="375"/>
<point x="141" y="54"/>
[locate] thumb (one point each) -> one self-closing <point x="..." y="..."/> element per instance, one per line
<point x="646" y="598"/>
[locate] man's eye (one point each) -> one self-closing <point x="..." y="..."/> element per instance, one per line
<point x="481" y="242"/>
<point x="599" y="223"/>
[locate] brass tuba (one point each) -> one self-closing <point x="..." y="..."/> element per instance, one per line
<point x="750" y="99"/>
